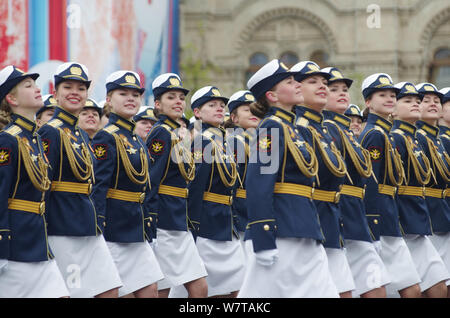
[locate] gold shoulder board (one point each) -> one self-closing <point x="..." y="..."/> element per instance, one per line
<point x="111" y="129"/>
<point x="55" y="123"/>
<point x="14" y="130"/>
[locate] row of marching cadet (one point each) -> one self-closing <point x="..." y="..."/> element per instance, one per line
<point x="297" y="194"/>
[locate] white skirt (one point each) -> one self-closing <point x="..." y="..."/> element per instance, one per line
<point x="301" y="271"/>
<point x="137" y="265"/>
<point x="85" y="264"/>
<point x="178" y="258"/>
<point x="32" y="280"/>
<point x="442" y="244"/>
<point x="340" y="270"/>
<point x="399" y="264"/>
<point x="367" y="268"/>
<point x="224" y="262"/>
<point x="428" y="262"/>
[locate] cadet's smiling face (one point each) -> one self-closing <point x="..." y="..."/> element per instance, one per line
<point x="315" y="92"/>
<point x="89" y="120"/>
<point x="382" y="102"/>
<point x="339" y="97"/>
<point x="172" y="104"/>
<point x="212" y="112"/>
<point x="430" y="108"/>
<point x="407" y="109"/>
<point x="143" y="127"/>
<point x="71" y="96"/>
<point x="125" y="102"/>
<point x="356" y="125"/>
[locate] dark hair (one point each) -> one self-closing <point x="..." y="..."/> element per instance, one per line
<point x="366" y="112"/>
<point x="229" y="123"/>
<point x="260" y="108"/>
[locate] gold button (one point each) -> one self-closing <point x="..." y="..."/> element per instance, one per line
<point x="266" y="227"/>
<point x="148" y="224"/>
<point x="151" y="219"/>
<point x="104" y="224"/>
<point x="1" y="237"/>
<point x="375" y="221"/>
<point x="34" y="140"/>
<point x="134" y="138"/>
<point x="9" y="237"/>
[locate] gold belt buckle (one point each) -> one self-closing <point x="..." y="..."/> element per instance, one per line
<point x="42" y="208"/>
<point x="90" y="188"/>
<point x="424" y="192"/>
<point x="444" y="193"/>
<point x="231" y="200"/>
<point x="142" y="197"/>
<point x="364" y="191"/>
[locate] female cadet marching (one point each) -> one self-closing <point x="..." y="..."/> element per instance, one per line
<point x="436" y="189"/>
<point x="332" y="170"/>
<point x="244" y="124"/>
<point x="414" y="216"/>
<point x="171" y="170"/>
<point x="382" y="211"/>
<point x="283" y="230"/>
<point x="74" y="226"/>
<point x="32" y="271"/>
<point x="368" y="270"/>
<point x="122" y="188"/>
<point x="210" y="197"/>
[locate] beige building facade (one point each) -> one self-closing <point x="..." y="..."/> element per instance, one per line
<point x="224" y="41"/>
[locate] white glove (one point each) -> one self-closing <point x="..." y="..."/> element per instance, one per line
<point x="3" y="265"/>
<point x="267" y="257"/>
<point x="377" y="245"/>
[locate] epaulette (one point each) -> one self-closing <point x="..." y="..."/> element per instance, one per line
<point x="379" y="129"/>
<point x="207" y="134"/>
<point x="275" y="118"/>
<point x="167" y="127"/>
<point x="14" y="130"/>
<point x="422" y="132"/>
<point x="55" y="123"/>
<point x="398" y="131"/>
<point x="111" y="129"/>
<point x="302" y="121"/>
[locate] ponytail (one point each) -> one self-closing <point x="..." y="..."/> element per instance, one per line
<point x="6" y="110"/>
<point x="260" y="108"/>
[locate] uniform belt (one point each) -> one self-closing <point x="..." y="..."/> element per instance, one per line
<point x="73" y="187"/>
<point x="241" y="193"/>
<point x="387" y="189"/>
<point x="173" y="191"/>
<point x="294" y="189"/>
<point x="353" y="191"/>
<point x="327" y="196"/>
<point x="414" y="191"/>
<point x="128" y="196"/>
<point x="218" y="198"/>
<point x="436" y="193"/>
<point x="27" y="206"/>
